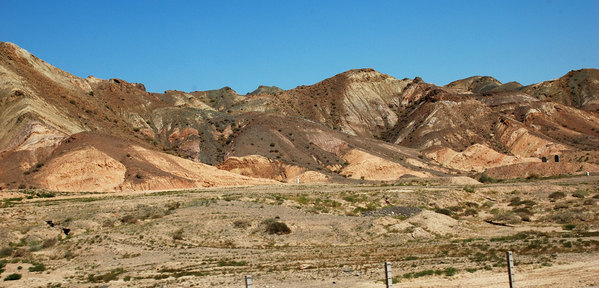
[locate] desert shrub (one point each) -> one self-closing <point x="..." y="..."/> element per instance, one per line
<point x="107" y="277"/>
<point x="21" y="252"/>
<point x="456" y="208"/>
<point x="563" y="217"/>
<point x="143" y="212"/>
<point x="515" y="201"/>
<point x="242" y="224"/>
<point x="5" y="252"/>
<point x="569" y="226"/>
<point x="273" y="226"/>
<point x="129" y="219"/>
<point x="469" y="189"/>
<point x="46" y="194"/>
<point x="12" y="277"/>
<point x="424" y="273"/>
<point x="450" y="271"/>
<point x="557" y="195"/>
<point x="108" y="223"/>
<point x="470" y="212"/>
<point x="231" y="263"/>
<point x="178" y="234"/>
<point x="443" y="211"/>
<point x="589" y="202"/>
<point x="523" y="211"/>
<point x="488" y="205"/>
<point x="172" y="206"/>
<point x="559" y="206"/>
<point x="147" y="212"/>
<point x="484" y="178"/>
<point x="506" y="217"/>
<point x="37" y="267"/>
<point x="528" y="203"/>
<point x="49" y="242"/>
<point x="577" y="195"/>
<point x="471" y="204"/>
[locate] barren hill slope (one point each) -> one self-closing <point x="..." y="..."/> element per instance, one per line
<point x="360" y="124"/>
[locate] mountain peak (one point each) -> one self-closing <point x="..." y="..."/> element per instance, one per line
<point x="476" y="84"/>
<point x="262" y="89"/>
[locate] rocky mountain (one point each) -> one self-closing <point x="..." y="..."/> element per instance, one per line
<point x="66" y="133"/>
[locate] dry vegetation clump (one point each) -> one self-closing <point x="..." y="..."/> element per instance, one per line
<point x="505" y="216"/>
<point x="273" y="226"/>
<point x="178" y="234"/>
<point x="556" y="195"/>
<point x="143" y="212"/>
<point x="106" y="277"/>
<point x="241" y="224"/>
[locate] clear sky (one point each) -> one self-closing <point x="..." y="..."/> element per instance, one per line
<point x="201" y="45"/>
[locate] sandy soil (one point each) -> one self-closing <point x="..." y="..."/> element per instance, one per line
<point x="214" y="237"/>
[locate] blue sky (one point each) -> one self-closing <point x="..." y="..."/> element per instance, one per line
<point x="201" y="45"/>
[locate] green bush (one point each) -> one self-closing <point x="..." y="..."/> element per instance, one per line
<point x="443" y="211"/>
<point x="12" y="277"/>
<point x="450" y="271"/>
<point x="38" y="267"/>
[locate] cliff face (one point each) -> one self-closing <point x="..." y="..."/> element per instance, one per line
<point x="63" y="132"/>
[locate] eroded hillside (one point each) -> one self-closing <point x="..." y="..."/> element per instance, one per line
<point x="62" y="132"/>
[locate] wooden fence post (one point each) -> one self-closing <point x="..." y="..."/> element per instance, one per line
<point x="388" y="277"/>
<point x="248" y="281"/>
<point x="510" y="269"/>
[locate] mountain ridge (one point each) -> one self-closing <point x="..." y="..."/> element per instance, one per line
<point x="354" y="126"/>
